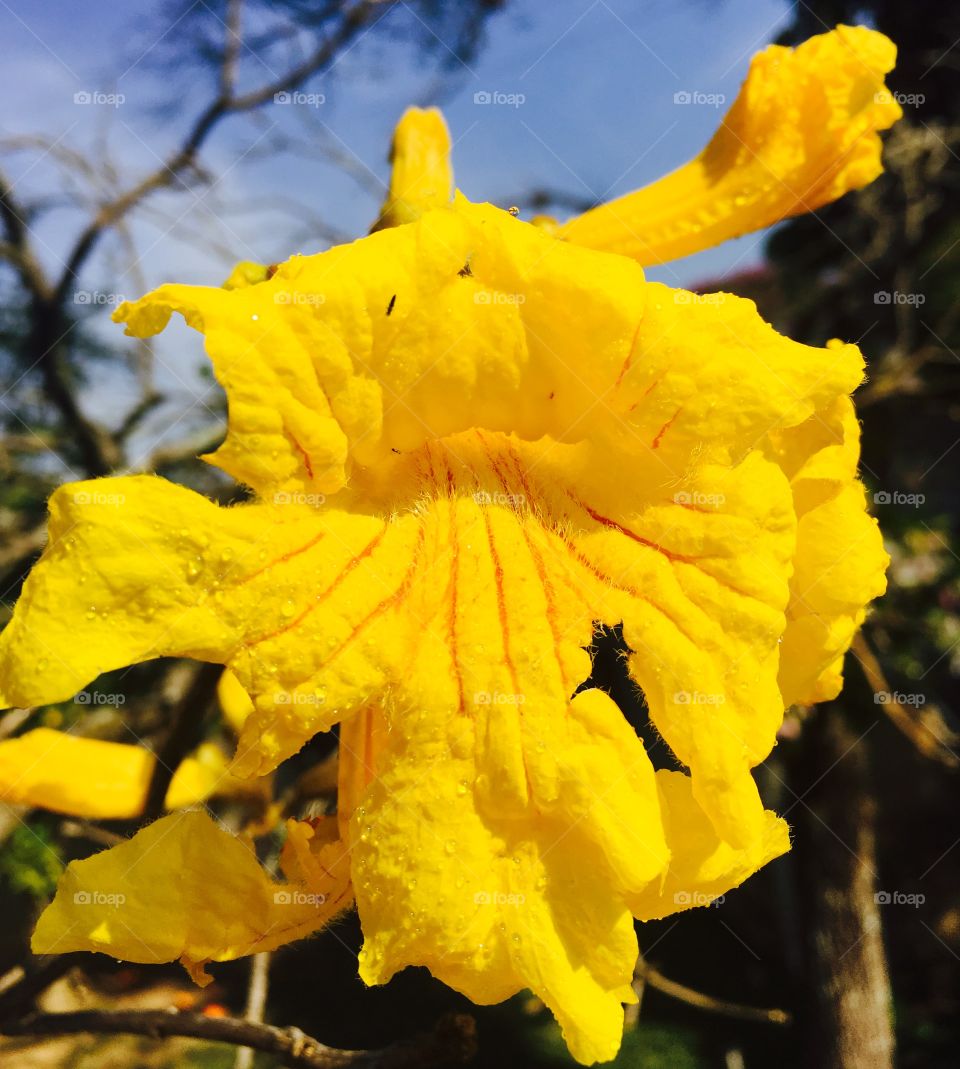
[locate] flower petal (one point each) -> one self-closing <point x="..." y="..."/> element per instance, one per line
<point x="489" y="906"/>
<point x="344" y="358"/>
<point x="422" y="177"/>
<point x="703" y="865"/>
<point x="801" y="133"/>
<point x="103" y="780"/>
<point x="235" y="703"/>
<point x="840" y="562"/>
<point x="183" y="888"/>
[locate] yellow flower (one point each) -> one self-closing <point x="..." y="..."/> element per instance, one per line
<point x="469" y="442"/>
<point x="106" y="780"/>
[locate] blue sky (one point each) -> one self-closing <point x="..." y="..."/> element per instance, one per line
<point x="593" y="113"/>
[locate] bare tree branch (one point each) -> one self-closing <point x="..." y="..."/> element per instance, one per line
<point x="452" y="1040"/>
<point x="647" y="975"/>
<point x="183" y="158"/>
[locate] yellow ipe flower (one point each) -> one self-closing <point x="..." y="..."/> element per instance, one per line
<point x="470" y="440"/>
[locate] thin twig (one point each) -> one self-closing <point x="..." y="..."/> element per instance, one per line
<point x="647" y="974"/>
<point x="452" y="1040"/>
<point x="184" y="158"/>
<point x="906" y="722"/>
<point x="256" y="1003"/>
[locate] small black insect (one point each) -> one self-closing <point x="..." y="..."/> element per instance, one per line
<point x="465" y="271"/>
<point x="393" y="301"/>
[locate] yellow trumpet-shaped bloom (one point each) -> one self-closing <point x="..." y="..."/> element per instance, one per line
<point x="469" y="442"/>
<point x="422" y="177"/>
<point x="802" y="132"/>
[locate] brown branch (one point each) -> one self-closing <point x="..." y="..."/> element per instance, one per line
<point x="168" y="456"/>
<point x="646" y="974"/>
<point x="150" y="400"/>
<point x="452" y="1040"/>
<point x="186" y="732"/>
<point x="183" y="158"/>
<point x="17" y="248"/>
<point x="21" y="986"/>
<point x="908" y="724"/>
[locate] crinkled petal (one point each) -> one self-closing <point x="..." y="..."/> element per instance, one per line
<point x="184" y="889"/>
<point x="703" y="866"/>
<point x="840" y="563"/>
<point x="280" y="592"/>
<point x="378" y="346"/>
<point x="801" y="133"/>
<point x="491" y="906"/>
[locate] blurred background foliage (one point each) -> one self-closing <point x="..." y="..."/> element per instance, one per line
<point x="869" y="784"/>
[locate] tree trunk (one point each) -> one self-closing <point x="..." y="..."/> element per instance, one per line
<point x="847" y="1021"/>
